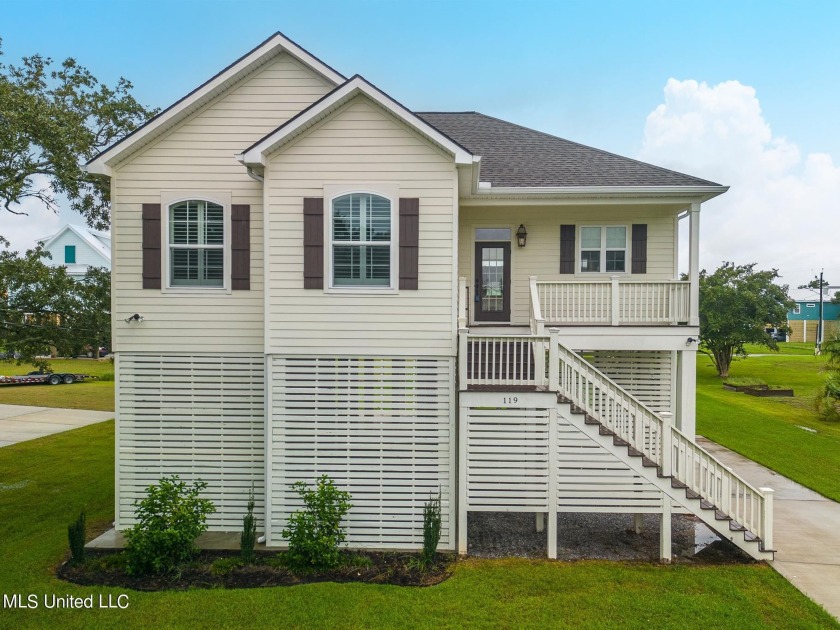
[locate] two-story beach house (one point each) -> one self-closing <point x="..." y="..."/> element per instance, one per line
<point x="325" y="281"/>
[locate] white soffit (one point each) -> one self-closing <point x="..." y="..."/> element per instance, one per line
<point x="255" y="154"/>
<point x="210" y="89"/>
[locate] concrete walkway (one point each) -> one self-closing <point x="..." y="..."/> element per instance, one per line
<point x="806" y="529"/>
<point x="19" y="423"/>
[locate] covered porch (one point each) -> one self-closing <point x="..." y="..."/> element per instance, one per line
<point x="563" y="266"/>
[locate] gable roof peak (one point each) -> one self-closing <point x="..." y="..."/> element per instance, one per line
<point x="204" y="93"/>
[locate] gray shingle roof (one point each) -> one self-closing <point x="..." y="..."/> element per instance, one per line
<point x="515" y="156"/>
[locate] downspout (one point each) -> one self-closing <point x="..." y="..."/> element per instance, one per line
<point x="254" y="175"/>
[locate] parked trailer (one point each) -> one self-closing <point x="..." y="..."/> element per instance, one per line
<point x="54" y="378"/>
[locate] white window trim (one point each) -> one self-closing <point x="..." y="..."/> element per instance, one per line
<point x="392" y="194"/>
<point x="169" y="199"/>
<point x="797" y="309"/>
<point x="602" y="249"/>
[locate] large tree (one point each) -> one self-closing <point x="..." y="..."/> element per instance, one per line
<point x="42" y="308"/>
<point x="737" y="304"/>
<point x="52" y="120"/>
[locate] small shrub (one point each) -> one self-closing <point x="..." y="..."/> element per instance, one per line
<point x="315" y="533"/>
<point x="223" y="566"/>
<point x="431" y="528"/>
<point x="76" y="534"/>
<point x="107" y="376"/>
<point x="249" y="532"/>
<point x="828" y="398"/>
<point x="169" y="520"/>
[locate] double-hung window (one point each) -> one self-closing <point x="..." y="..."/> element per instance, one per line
<point x="361" y="241"/>
<point x="196" y="244"/>
<point x="603" y="249"/>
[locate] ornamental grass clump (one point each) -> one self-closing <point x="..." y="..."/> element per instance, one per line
<point x="76" y="534"/>
<point x="315" y="533"/>
<point x="431" y="529"/>
<point x="169" y="520"/>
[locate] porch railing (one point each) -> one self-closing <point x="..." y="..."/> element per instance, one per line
<point x="613" y="302"/>
<point x="519" y="360"/>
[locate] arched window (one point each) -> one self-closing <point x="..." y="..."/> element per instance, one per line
<point x="361" y="241"/>
<point x="196" y="244"/>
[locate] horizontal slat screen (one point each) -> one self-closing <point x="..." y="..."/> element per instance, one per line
<point x="591" y="479"/>
<point x="507" y="459"/>
<point x="200" y="417"/>
<point x="646" y="375"/>
<point x="380" y="427"/>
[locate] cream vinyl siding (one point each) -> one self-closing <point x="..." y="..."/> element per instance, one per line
<point x="199" y="156"/>
<point x="541" y="255"/>
<point x="360" y="145"/>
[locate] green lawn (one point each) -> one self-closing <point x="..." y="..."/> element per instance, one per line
<point x="785" y="348"/>
<point x="97" y="395"/>
<point x="44" y="483"/>
<point x="768" y="429"/>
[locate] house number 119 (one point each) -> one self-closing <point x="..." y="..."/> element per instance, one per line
<point x="510" y="400"/>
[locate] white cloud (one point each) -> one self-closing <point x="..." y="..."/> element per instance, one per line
<point x="39" y="221"/>
<point x="782" y="210"/>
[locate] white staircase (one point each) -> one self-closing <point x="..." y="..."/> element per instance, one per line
<point x="646" y="442"/>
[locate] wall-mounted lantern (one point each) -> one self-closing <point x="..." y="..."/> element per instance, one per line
<point x="521" y="235"/>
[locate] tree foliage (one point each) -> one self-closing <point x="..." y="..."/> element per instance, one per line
<point x="737" y="303"/>
<point x="54" y="120"/>
<point x="41" y="307"/>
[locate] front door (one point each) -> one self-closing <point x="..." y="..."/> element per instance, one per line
<point x="492" y="282"/>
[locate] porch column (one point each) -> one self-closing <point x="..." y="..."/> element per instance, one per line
<point x="687" y="392"/>
<point x="462" y="479"/>
<point x="694" y="265"/>
<point x="665" y="551"/>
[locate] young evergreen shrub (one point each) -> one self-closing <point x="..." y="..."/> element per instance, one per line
<point x="76" y="536"/>
<point x="249" y="532"/>
<point x="431" y="528"/>
<point x="169" y="520"/>
<point x="315" y="532"/>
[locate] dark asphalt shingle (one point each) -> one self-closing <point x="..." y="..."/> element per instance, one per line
<point x="515" y="156"/>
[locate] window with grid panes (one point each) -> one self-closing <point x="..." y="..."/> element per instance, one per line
<point x="361" y="241"/>
<point x="196" y="244"/>
<point x="603" y="249"/>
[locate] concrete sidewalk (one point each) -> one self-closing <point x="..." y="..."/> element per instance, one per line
<point x="19" y="423"/>
<point x="806" y="529"/>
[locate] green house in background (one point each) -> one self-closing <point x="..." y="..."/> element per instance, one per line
<point x="804" y="318"/>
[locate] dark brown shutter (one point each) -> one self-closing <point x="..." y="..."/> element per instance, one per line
<point x="240" y="246"/>
<point x="639" y="248"/>
<point x="567" y="249"/>
<point x="313" y="243"/>
<point x="151" y="246"/>
<point x="409" y="242"/>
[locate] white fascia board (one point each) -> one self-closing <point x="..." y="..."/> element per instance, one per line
<point x="609" y="191"/>
<point x="100" y="165"/>
<point x="256" y="154"/>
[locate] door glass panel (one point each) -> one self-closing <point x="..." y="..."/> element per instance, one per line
<point x="492" y="279"/>
<point x="492" y="234"/>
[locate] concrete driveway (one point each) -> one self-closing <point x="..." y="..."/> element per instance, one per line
<point x="19" y="423"/>
<point x="806" y="529"/>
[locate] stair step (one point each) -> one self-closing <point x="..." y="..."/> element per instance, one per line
<point x="676" y="483"/>
<point x="633" y="452"/>
<point x="720" y="516"/>
<point x="562" y="399"/>
<point x="620" y="442"/>
<point x="706" y="505"/>
<point x="605" y="431"/>
<point x="691" y="494"/>
<point x="590" y="420"/>
<point x="576" y="410"/>
<point x="735" y="526"/>
<point x="750" y="537"/>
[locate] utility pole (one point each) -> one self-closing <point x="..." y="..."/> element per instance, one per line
<point x="818" y="346"/>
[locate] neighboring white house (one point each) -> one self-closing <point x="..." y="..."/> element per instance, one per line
<point x="328" y="282"/>
<point x="78" y="248"/>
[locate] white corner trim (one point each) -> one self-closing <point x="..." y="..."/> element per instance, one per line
<point x="273" y="46"/>
<point x="255" y="155"/>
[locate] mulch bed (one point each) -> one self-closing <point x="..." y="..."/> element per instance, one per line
<point x="106" y="569"/>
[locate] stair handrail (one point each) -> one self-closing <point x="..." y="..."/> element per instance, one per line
<point x="659" y="440"/>
<point x="537" y="319"/>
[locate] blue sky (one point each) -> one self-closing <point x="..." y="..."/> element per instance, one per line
<point x="588" y="71"/>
